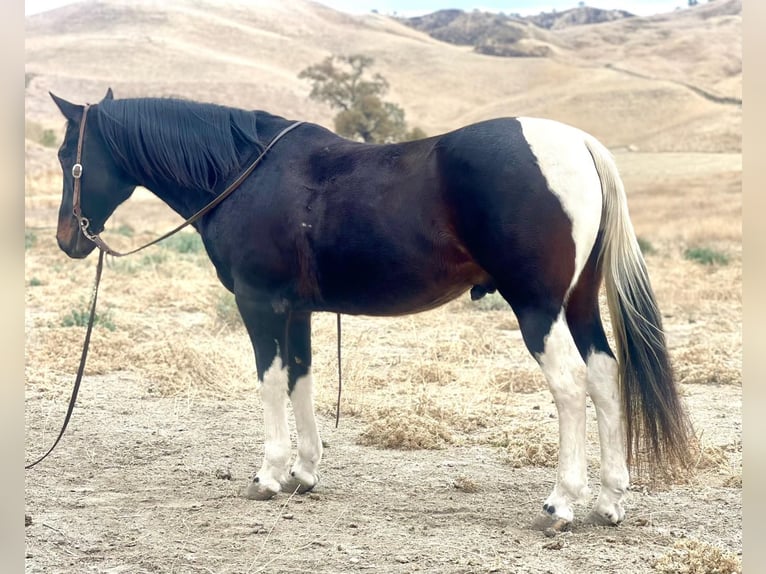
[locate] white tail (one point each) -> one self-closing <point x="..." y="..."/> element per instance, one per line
<point x="656" y="422"/>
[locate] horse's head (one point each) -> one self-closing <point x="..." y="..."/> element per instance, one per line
<point x="103" y="185"/>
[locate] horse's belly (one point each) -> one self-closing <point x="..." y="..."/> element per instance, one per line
<point x="387" y="285"/>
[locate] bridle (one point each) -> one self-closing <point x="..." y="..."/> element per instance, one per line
<point x="84" y="223"/>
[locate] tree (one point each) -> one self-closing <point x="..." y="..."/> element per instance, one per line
<point x="344" y="83"/>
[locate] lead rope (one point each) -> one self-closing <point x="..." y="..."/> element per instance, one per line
<point x="83" y="357"/>
<point x="340" y="379"/>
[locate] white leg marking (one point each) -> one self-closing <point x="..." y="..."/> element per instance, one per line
<point x="276" y="451"/>
<point x="563" y="370"/>
<point x="571" y="175"/>
<point x="605" y="393"/>
<point x="304" y="470"/>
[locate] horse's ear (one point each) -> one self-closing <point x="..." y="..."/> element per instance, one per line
<point x="109" y="95"/>
<point x="71" y="111"/>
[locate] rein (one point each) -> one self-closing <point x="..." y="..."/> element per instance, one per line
<point x="84" y="223"/>
<point x="95" y="238"/>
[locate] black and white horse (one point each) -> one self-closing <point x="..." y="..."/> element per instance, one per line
<point x="532" y="208"/>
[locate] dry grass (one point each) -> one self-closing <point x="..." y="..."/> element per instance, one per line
<point x="465" y="484"/>
<point x="406" y="430"/>
<point x="691" y="556"/>
<point x="709" y="363"/>
<point x="531" y="445"/>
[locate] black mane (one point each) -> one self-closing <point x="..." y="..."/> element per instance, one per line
<point x="178" y="142"/>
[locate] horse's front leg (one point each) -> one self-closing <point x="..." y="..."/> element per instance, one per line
<point x="303" y="474"/>
<point x="268" y="331"/>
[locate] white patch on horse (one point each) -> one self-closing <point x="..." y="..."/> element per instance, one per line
<point x="309" y="444"/>
<point x="605" y="393"/>
<point x="567" y="166"/>
<point x="276" y="450"/>
<point x="564" y="371"/>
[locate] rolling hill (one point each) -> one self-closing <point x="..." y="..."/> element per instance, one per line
<point x="671" y="82"/>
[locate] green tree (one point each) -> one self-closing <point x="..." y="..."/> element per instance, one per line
<point x="345" y="84"/>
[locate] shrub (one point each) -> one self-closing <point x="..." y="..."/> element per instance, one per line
<point x="183" y="243"/>
<point x="691" y="556"/>
<point x="30" y="239"/>
<point x="706" y="256"/>
<point x="646" y="247"/>
<point x="126" y="230"/>
<point x="153" y="259"/>
<point x="49" y="138"/>
<point x="492" y="302"/>
<point x="79" y="318"/>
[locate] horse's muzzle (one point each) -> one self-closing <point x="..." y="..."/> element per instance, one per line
<point x="72" y="241"/>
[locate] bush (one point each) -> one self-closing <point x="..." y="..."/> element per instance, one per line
<point x="184" y="243"/>
<point x="153" y="259"/>
<point x="30" y="239"/>
<point x="79" y="318"/>
<point x="49" y="138"/>
<point x="126" y="230"/>
<point x="706" y="256"/>
<point x="492" y="302"/>
<point x="646" y="247"/>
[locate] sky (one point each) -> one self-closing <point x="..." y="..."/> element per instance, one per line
<point x="416" y="7"/>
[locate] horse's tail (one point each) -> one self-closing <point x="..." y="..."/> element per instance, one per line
<point x="657" y="427"/>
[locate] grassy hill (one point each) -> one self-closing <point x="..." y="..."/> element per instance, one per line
<point x="666" y="83"/>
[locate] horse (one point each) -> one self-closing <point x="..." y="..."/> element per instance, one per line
<point x="528" y="207"/>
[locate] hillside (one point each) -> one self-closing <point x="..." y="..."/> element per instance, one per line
<point x="577" y="17"/>
<point x="628" y="81"/>
<point x="495" y="34"/>
<point x="499" y="34"/>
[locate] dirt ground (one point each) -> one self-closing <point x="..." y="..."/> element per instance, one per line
<point x="147" y="484"/>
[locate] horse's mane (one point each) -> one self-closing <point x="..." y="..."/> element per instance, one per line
<point x="178" y="142"/>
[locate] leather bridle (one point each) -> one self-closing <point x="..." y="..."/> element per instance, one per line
<point x="84" y="223"/>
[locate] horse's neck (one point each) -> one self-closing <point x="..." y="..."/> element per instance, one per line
<point x="188" y="201"/>
<point x="185" y="202"/>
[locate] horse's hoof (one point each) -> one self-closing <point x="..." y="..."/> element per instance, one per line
<point x="559" y="525"/>
<point x="258" y="490"/>
<point x="550" y="525"/>
<point x="299" y="482"/>
<point x="605" y="518"/>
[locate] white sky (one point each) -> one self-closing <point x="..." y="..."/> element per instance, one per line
<point x="413" y="7"/>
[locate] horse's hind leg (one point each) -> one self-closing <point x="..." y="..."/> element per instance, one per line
<point x="605" y="394"/>
<point x="601" y="380"/>
<point x="547" y="337"/>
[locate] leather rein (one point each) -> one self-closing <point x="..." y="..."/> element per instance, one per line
<point x="84" y="223"/>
